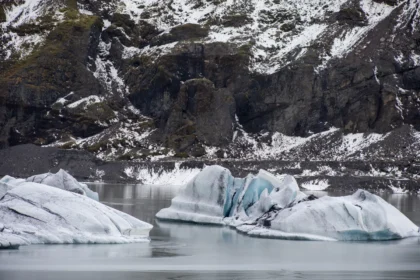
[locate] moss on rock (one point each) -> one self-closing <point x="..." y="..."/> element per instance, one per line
<point x="236" y="20"/>
<point x="71" y="4"/>
<point x="97" y="147"/>
<point x="68" y="145"/>
<point x="55" y="46"/>
<point x="94" y="112"/>
<point x="185" y="32"/>
<point x="2" y="14"/>
<point x="32" y="84"/>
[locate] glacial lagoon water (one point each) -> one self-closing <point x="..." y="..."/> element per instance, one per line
<point x="187" y="251"/>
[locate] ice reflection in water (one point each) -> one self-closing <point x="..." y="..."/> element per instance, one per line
<point x="187" y="251"/>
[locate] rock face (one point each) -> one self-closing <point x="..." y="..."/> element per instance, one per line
<point x="134" y="79"/>
<point x="198" y="110"/>
<point x="30" y="86"/>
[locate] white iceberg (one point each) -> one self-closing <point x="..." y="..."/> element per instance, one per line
<point x="64" y="181"/>
<point x="33" y="213"/>
<point x="267" y="206"/>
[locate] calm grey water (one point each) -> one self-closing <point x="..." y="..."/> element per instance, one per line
<point x="186" y="251"/>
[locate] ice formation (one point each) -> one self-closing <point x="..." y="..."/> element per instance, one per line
<point x="267" y="206"/>
<point x="64" y="181"/>
<point x="57" y="211"/>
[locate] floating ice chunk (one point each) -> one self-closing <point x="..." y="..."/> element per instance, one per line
<point x="267" y="206"/>
<point x="33" y="213"/>
<point x="215" y="194"/>
<point x="64" y="181"/>
<point x="203" y="199"/>
<point x="361" y="216"/>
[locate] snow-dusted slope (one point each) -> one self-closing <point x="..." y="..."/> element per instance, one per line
<point x="278" y="31"/>
<point x="26" y="13"/>
<point x="297" y="74"/>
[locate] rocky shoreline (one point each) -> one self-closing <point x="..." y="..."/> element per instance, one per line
<point x="27" y="160"/>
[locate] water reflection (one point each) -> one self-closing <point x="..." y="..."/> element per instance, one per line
<point x="213" y="245"/>
<point x="406" y="203"/>
<point x="140" y="201"/>
<point x="222" y="275"/>
<point x="184" y="251"/>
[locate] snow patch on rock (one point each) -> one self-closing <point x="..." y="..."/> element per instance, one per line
<point x="27" y="11"/>
<point x="344" y="146"/>
<point x="84" y="103"/>
<point x="105" y="71"/>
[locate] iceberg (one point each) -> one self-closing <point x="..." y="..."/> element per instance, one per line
<point x="64" y="181"/>
<point x="274" y="207"/>
<point x="35" y="213"/>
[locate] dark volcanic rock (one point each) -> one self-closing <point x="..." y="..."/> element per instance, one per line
<point x="388" y="2"/>
<point x="352" y="15"/>
<point x="157" y="73"/>
<point x="183" y="32"/>
<point x="201" y="114"/>
<point x="191" y="109"/>
<point x="411" y="79"/>
<point x="29" y="88"/>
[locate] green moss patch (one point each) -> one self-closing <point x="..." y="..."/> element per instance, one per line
<point x="54" y="45"/>
<point x="2" y="14"/>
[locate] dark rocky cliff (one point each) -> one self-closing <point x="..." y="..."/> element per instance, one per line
<point x="130" y="80"/>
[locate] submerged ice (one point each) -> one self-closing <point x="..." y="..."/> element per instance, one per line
<point x="267" y="206"/>
<point x="56" y="209"/>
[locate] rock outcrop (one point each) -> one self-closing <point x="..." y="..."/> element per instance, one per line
<point x="133" y="80"/>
